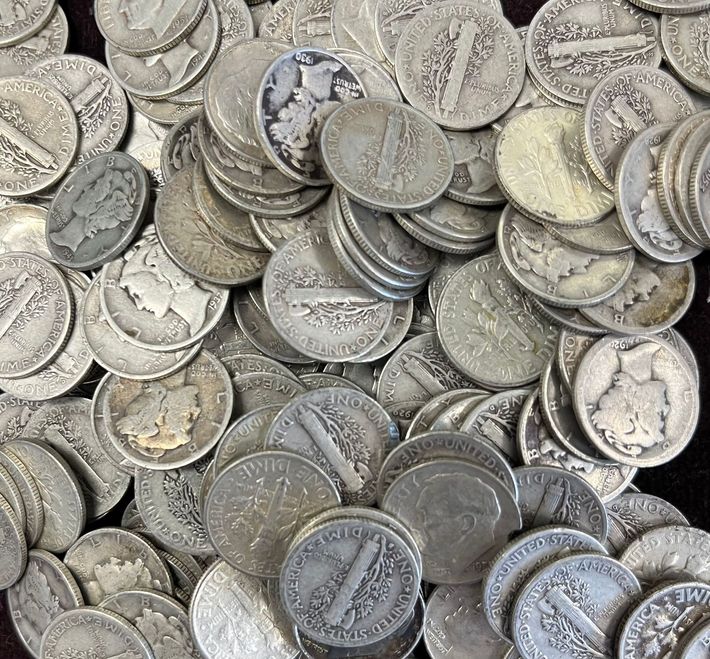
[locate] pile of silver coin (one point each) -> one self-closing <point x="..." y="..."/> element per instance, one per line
<point x="341" y="329"/>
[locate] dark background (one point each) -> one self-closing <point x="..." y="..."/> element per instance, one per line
<point x="684" y="481"/>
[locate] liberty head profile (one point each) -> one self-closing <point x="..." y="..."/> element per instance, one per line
<point x="154" y="15"/>
<point x="155" y="284"/>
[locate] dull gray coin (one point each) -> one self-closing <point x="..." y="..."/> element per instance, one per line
<point x="14" y="546"/>
<point x="22" y="21"/>
<point x="22" y="229"/>
<point x="605" y="237"/>
<point x="684" y="39"/>
<point x="695" y="641"/>
<point x="30" y="498"/>
<point x="254" y="390"/>
<point x="181" y="147"/>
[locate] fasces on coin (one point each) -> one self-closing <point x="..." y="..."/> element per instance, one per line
<point x="349" y="582"/>
<point x="83" y="629"/>
<point x="181" y="147"/>
<point x="298" y="92"/>
<point x="604" y="237"/>
<point x="311" y="23"/>
<point x="21" y="21"/>
<point x="233" y="615"/>
<point x="620" y="106"/>
<point x="152" y="303"/>
<point x="542" y="169"/>
<point x="12" y="544"/>
<point x="455" y="625"/>
<point x="45" y="590"/>
<point x="345" y="432"/>
<point x="386" y="155"/>
<point x="39" y="136"/>
<point x="573" y="605"/>
<point x="109" y="560"/>
<point x="171" y="422"/>
<point x="251" y="521"/>
<point x="570" y="46"/>
<point x="684" y="40"/>
<point x="489" y="330"/>
<point x="636" y="399"/>
<point x="518" y="560"/>
<point x="22" y="229"/>
<point x="459" y="514"/>
<point x="462" y="64"/>
<point x="316" y="307"/>
<point x="97" y="211"/>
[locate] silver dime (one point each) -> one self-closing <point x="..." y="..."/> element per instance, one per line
<point x="12" y="494"/>
<point x="352" y="26"/>
<point x="695" y="641"/>
<point x="376" y="79"/>
<point x="236" y="22"/>
<point x="40" y="136"/>
<point x="152" y="303"/>
<point x="298" y="92"/>
<point x="605" y="237"/>
<point x="254" y="390"/>
<point x="454" y="417"/>
<point x="29" y="496"/>
<point x="14" y="546"/>
<point x="226" y="339"/>
<point x="278" y="23"/>
<point x="22" y="229"/>
<point x="46" y="590"/>
<point x="386" y="155"/>
<point x="273" y="233"/>
<point x="36" y="313"/>
<point x="446" y="268"/>
<point x="21" y="21"/>
<point x="651" y="372"/>
<point x="518" y="561"/>
<point x="15" y="413"/>
<point x="98" y="426"/>
<point x="574" y="603"/>
<point x="162" y="112"/>
<point x="241" y="364"/>
<point x="461" y="64"/>
<point x="313" y="381"/>
<point x="673" y="7"/>
<point x="684" y="39"/>
<point x="455" y="221"/>
<point x="97" y="211"/>
<point x="550" y="495"/>
<point x="568" y="319"/>
<point x="697" y="191"/>
<point x="421" y="223"/>
<point x="311" y="23"/>
<point x="181" y="147"/>
<point x="402" y="313"/>
<point x="172" y="422"/>
<point x="245" y="436"/>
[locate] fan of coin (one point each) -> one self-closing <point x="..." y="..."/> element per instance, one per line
<point x="341" y="329"/>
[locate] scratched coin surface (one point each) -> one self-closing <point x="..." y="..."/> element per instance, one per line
<point x="181" y="147"/>
<point x="462" y="65"/>
<point x="684" y="40"/>
<point x="22" y="20"/>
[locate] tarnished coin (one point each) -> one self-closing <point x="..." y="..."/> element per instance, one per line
<point x="181" y="147"/>
<point x="489" y="330"/>
<point x="236" y="22"/>
<point x="631" y="514"/>
<point x="21" y="21"/>
<point x="15" y="413"/>
<point x="254" y="390"/>
<point x="620" y="106"/>
<point x="168" y="504"/>
<point x="172" y="422"/>
<point x="519" y="560"/>
<point x="313" y="381"/>
<point x="697" y="193"/>
<point x="377" y="81"/>
<point x="459" y="514"/>
<point x="46" y="590"/>
<point x="386" y="155"/>
<point x="194" y="246"/>
<point x="98" y="426"/>
<point x="161" y="620"/>
<point x="605" y="237"/>
<point x="171" y="71"/>
<point x="39" y="138"/>
<point x="542" y="169"/>
<point x="13" y="545"/>
<point x="22" y="229"/>
<point x="245" y="436"/>
<point x="684" y="40"/>
<point x="298" y="92"/>
<point x="152" y="303"/>
<point x="636" y="399"/>
<point x="461" y="64"/>
<point x="674" y="7"/>
<point x="80" y="631"/>
<point x="455" y="625"/>
<point x="147" y="29"/>
<point x="239" y="365"/>
<point x="232" y="614"/>
<point x="574" y="602"/>
<point x="61" y="498"/>
<point x="29" y="500"/>
<point x="570" y="46"/>
<point x="36" y="313"/>
<point x="654" y="297"/>
<point x="273" y="233"/>
<point x="695" y="642"/>
<point x="97" y="211"/>
<point x="311" y="23"/>
<point x="109" y="560"/>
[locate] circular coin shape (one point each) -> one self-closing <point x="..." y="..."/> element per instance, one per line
<point x="29" y="496"/>
<point x="97" y="211"/>
<point x="660" y="422"/>
<point x="79" y="631"/>
<point x="604" y="237"/>
<point x="674" y="7"/>
<point x="181" y="147"/>
<point x="695" y="642"/>
<point x="574" y="602"/>
<point x="684" y="39"/>
<point x="298" y="92"/>
<point x="459" y="515"/>
<point x="22" y="229"/>
<point x="386" y="155"/>
<point x="316" y="307"/>
<point x="697" y="193"/>
<point x="40" y="136"/>
<point x="22" y="21"/>
<point x="14" y="546"/>
<point x="172" y="422"/>
<point x="251" y="522"/>
<point x="461" y="64"/>
<point x="542" y="169"/>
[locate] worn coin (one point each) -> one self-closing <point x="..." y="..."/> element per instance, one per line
<point x="314" y="381"/>
<point x="98" y="426"/>
<point x="697" y="193"/>
<point x="181" y="147"/>
<point x="277" y="25"/>
<point x="254" y="390"/>
<point x="245" y="436"/>
<point x="455" y="221"/>
<point x="162" y="112"/>
<point x="311" y="23"/>
<point x="273" y="233"/>
<point x="30" y="498"/>
<point x="236" y="22"/>
<point x="12" y="494"/>
<point x="23" y="20"/>
<point x="13" y="545"/>
<point x="15" y="413"/>
<point x="241" y="364"/>
<point x="684" y="40"/>
<point x="22" y="229"/>
<point x="377" y="81"/>
<point x="673" y="7"/>
<point x="568" y="319"/>
<point x="695" y="641"/>
<point x="605" y="237"/>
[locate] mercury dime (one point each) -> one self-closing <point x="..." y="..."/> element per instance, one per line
<point x="446" y="268"/>
<point x="61" y="498"/>
<point x="152" y="303"/>
<point x="519" y="560"/>
<point x="620" y="106"/>
<point x="278" y="23"/>
<point x="489" y="330"/>
<point x="22" y="229"/>
<point x="402" y="313"/>
<point x="13" y="545"/>
<point x="280" y="207"/>
<point x="232" y="615"/>
<point x="377" y="81"/>
<point x="695" y="641"/>
<point x="311" y="23"/>
<point x="573" y="603"/>
<point x="697" y="193"/>
<point x="84" y="629"/>
<point x="605" y="237"/>
<point x="12" y="494"/>
<point x="162" y="112"/>
<point x="298" y="92"/>
<point x="15" y="413"/>
<point x="650" y="371"/>
<point x="313" y="381"/>
<point x="570" y="46"/>
<point x="238" y="365"/>
<point x="245" y="436"/>
<point x="684" y="39"/>
<point x="180" y="148"/>
<point x="273" y="233"/>
<point x="534" y="144"/>
<point x="674" y="7"/>
<point x="461" y="64"/>
<point x="568" y="319"/>
<point x="40" y="136"/>
<point x="352" y="26"/>
<point x="453" y="220"/>
<point x="22" y="21"/>
<point x="98" y="426"/>
<point x="171" y="422"/>
<point x="254" y="390"/>
<point x="236" y="22"/>
<point x="307" y="291"/>
<point x="30" y="509"/>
